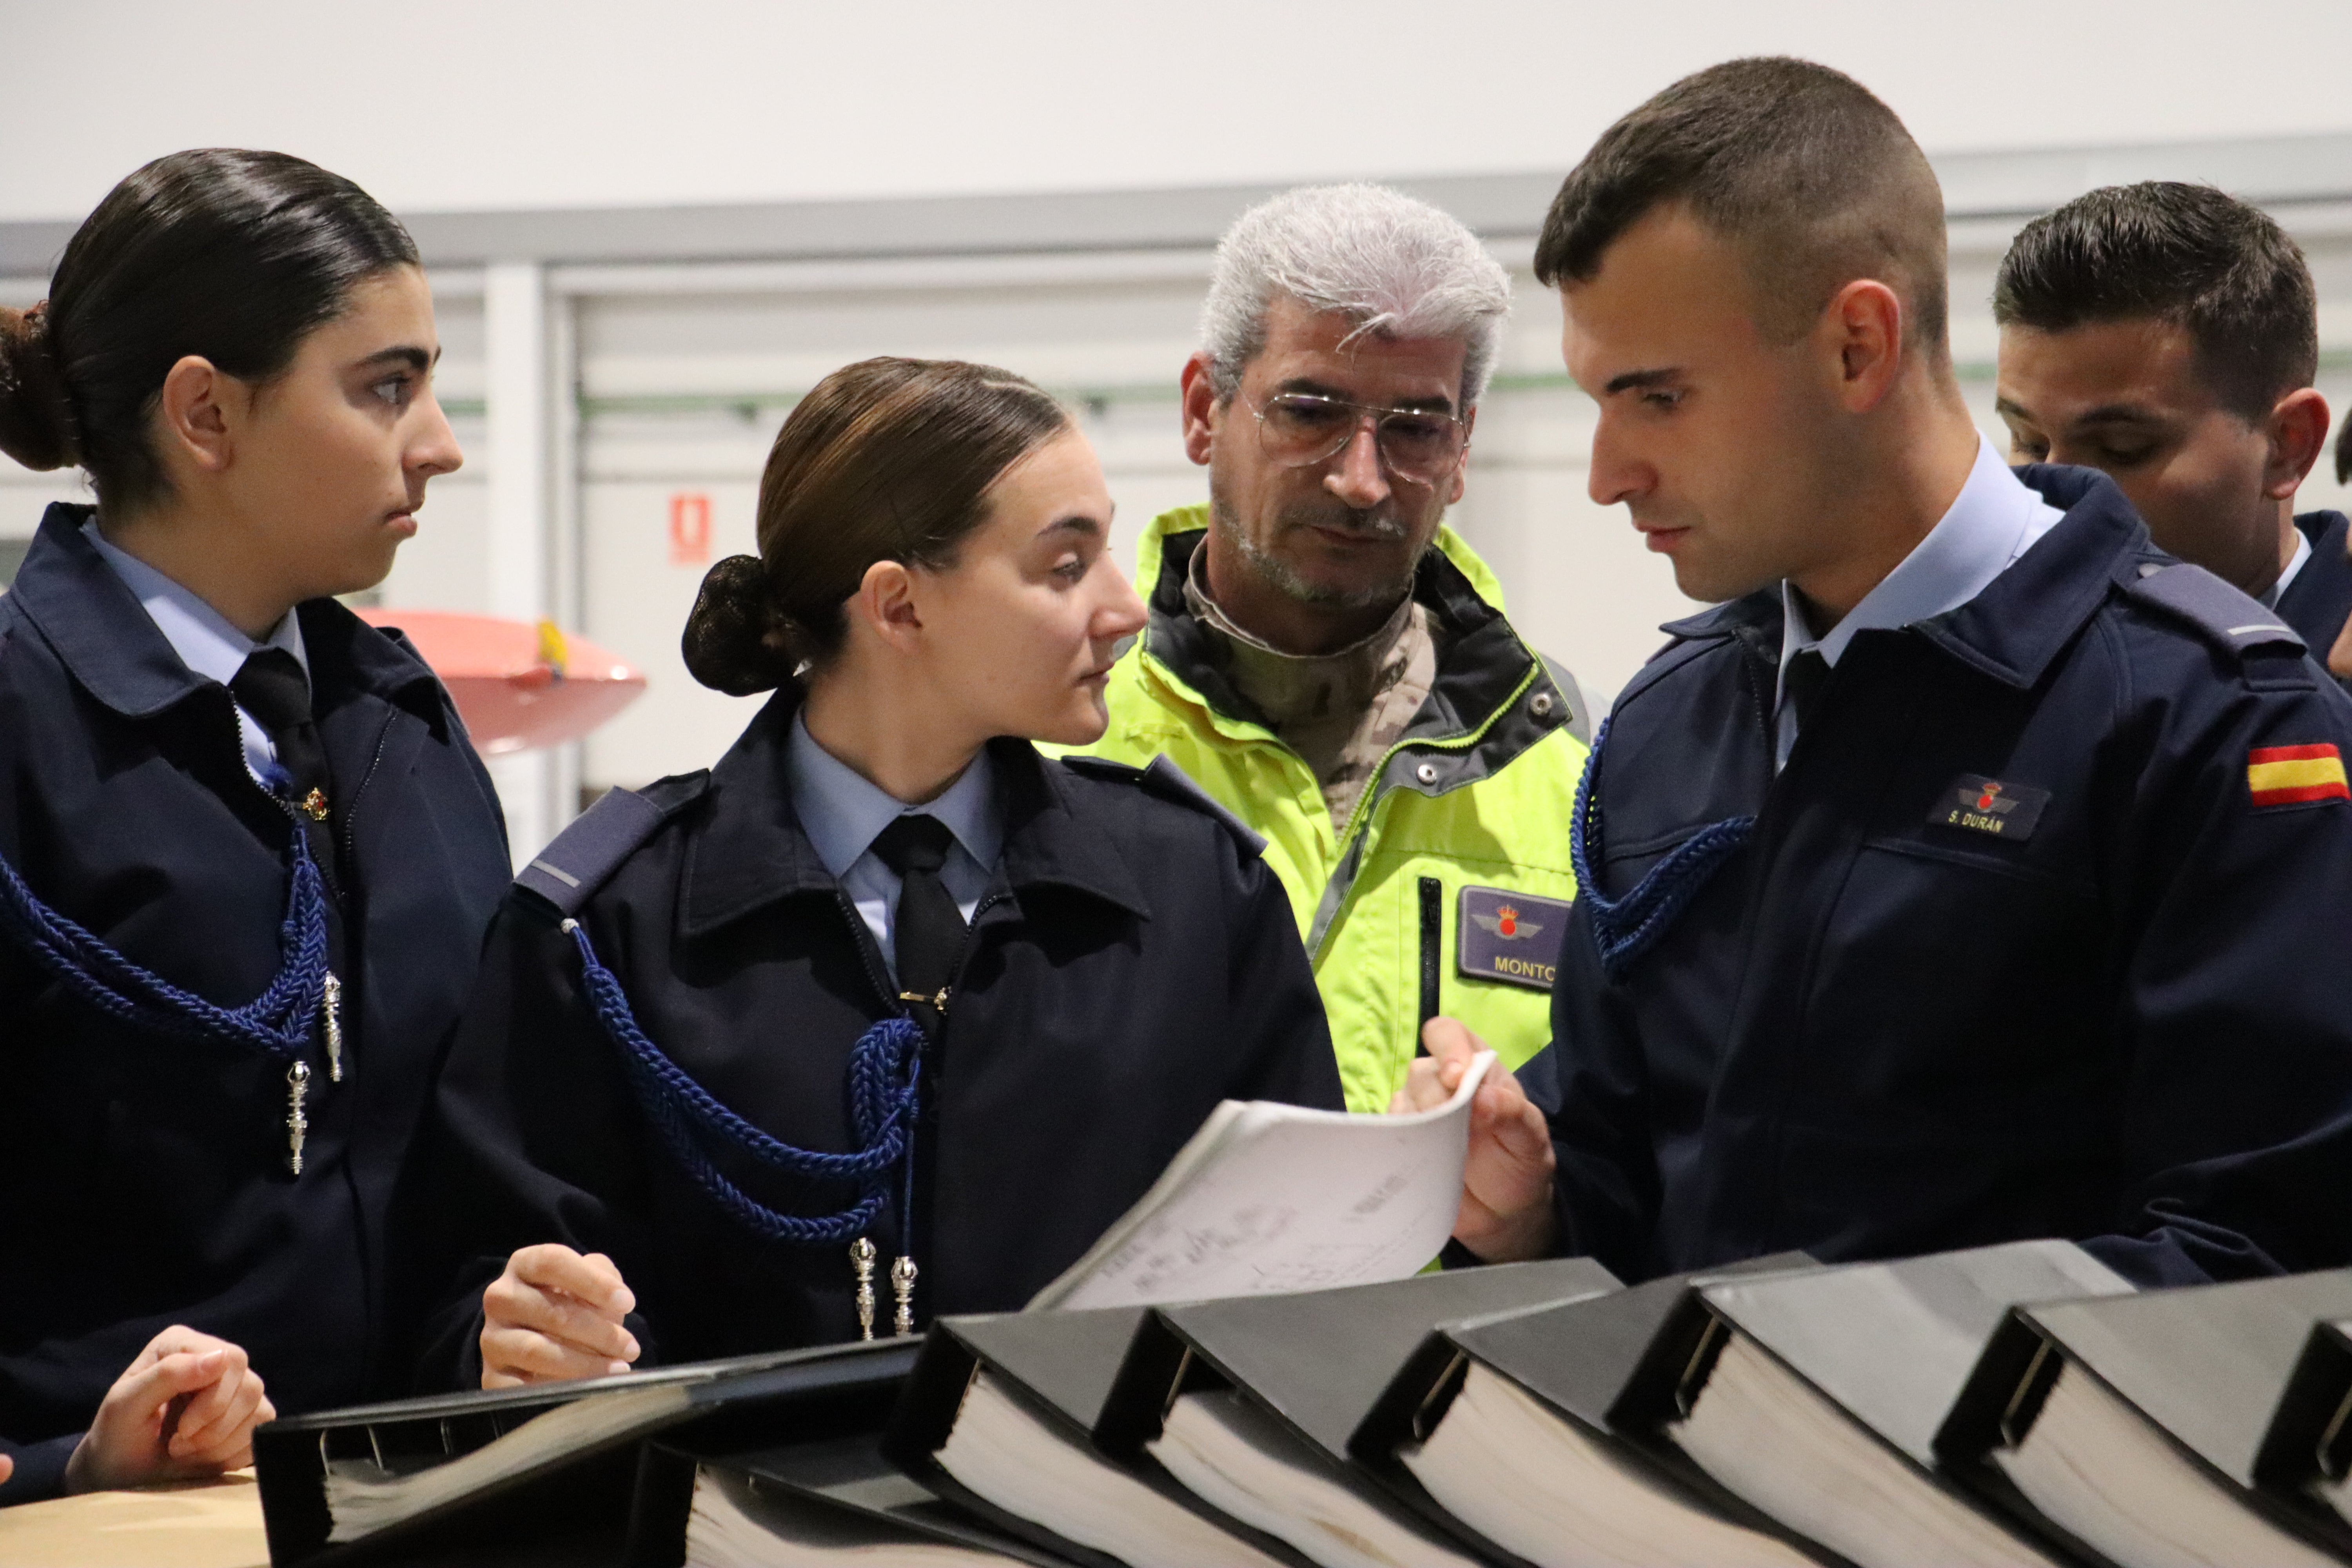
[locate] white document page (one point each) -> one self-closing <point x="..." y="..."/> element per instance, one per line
<point x="1267" y="1198"/>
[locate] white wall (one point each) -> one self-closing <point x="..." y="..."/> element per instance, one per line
<point x="681" y="392"/>
<point x="439" y="105"/>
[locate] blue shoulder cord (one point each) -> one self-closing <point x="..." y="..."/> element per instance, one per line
<point x="277" y="1023"/>
<point x="1623" y="929"/>
<point x="884" y="1068"/>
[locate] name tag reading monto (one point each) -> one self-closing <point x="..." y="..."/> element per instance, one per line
<point x="1510" y="937"/>
<point x="1994" y="808"/>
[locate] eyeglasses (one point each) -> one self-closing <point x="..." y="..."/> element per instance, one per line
<point x="1299" y="429"/>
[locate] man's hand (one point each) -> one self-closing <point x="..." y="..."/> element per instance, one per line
<point x="1506" y="1213"/>
<point x="554" y="1314"/>
<point x="2339" y="657"/>
<point x="186" y="1408"/>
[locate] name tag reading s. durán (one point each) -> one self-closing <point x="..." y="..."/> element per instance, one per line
<point x="1994" y="808"/>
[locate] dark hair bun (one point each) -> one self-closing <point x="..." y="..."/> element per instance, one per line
<point x="36" y="425"/>
<point x="733" y="642"/>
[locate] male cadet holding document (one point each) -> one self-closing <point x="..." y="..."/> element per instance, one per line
<point x="2167" y="334"/>
<point x="1329" y="660"/>
<point x="1973" y="870"/>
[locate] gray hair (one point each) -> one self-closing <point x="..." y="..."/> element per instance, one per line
<point x="1394" y="265"/>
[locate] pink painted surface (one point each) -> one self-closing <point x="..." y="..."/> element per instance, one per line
<point x="517" y="685"/>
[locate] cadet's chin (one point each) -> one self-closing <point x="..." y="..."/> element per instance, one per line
<point x="1082" y="724"/>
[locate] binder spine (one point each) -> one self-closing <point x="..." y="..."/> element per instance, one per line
<point x="927" y="1407"/>
<point x="2003" y="1395"/>
<point x="1411" y="1405"/>
<point x="1162" y="1367"/>
<point x="2310" y="1437"/>
<point x="1672" y="1370"/>
<point x="659" y="1508"/>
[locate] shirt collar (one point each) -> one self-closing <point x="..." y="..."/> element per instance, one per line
<point x="2294" y="564"/>
<point x="843" y="812"/>
<point x="1995" y="519"/>
<point x="204" y="638"/>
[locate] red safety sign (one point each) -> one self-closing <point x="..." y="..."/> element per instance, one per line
<point x="689" y="529"/>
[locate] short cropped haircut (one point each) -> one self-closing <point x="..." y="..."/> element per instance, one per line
<point x="1393" y="265"/>
<point x="2188" y="255"/>
<point x="1798" y="167"/>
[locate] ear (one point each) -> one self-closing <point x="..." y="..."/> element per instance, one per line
<point x="1863" y="324"/>
<point x="2297" y="429"/>
<point x="1202" y="413"/>
<point x="193" y="415"/>
<point x="884" y="603"/>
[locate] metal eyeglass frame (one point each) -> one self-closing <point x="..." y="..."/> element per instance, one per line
<point x="1362" y="411"/>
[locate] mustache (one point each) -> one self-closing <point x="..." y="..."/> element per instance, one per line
<point x="1378" y="522"/>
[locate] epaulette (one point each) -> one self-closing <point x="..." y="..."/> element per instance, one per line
<point x="585" y="856"/>
<point x="1171" y="782"/>
<point x="2226" y="617"/>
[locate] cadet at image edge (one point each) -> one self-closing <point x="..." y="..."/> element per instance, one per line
<point x="2167" y="335"/>
<point x="247" y="852"/>
<point x="1969" y="872"/>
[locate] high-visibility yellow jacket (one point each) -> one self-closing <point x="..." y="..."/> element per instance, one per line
<point x="1446" y="891"/>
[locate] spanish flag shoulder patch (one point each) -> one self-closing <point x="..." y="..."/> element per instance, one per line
<point x="2291" y="775"/>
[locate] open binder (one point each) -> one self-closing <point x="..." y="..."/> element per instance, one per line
<point x="401" y="1479"/>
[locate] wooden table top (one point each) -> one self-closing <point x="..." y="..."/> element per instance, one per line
<point x="196" y="1524"/>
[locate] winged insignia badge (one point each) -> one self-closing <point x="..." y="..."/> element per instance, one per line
<point x="1506" y="923"/>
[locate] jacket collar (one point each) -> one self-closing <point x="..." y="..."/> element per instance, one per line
<point x="115" y="652"/>
<point x="90" y="617"/>
<point x="2014" y="629"/>
<point x="2319" y="600"/>
<point x="1482" y="667"/>
<point x="750" y="850"/>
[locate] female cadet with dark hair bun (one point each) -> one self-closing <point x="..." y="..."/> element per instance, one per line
<point x="247" y="852"/>
<point x="885" y="1016"/>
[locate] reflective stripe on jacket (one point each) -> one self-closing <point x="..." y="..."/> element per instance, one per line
<point x="1474" y="797"/>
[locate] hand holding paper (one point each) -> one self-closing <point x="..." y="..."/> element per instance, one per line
<point x="1269" y="1198"/>
<point x="1506" y="1213"/>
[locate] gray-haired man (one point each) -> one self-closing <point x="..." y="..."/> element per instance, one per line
<point x="1329" y="660"/>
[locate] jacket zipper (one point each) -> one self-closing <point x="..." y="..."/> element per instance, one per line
<point x="1433" y="931"/>
<point x="1359" y="824"/>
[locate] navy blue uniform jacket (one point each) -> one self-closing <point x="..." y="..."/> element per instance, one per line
<point x="1872" y="1034"/>
<point x="1133" y="963"/>
<point x="143" y="1179"/>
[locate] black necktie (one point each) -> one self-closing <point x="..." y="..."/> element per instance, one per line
<point x="272" y="687"/>
<point x="1807" y="670"/>
<point x="928" y="932"/>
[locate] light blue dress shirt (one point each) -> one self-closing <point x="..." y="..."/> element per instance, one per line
<point x="843" y="812"/>
<point x="204" y="638"/>
<point x="2294" y="564"/>
<point x="1995" y="519"/>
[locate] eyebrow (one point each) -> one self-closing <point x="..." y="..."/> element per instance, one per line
<point x="1634" y="380"/>
<point x="409" y="354"/>
<point x="1077" y="522"/>
<point x="2118" y="414"/>
<point x="1435" y="402"/>
<point x="2105" y="414"/>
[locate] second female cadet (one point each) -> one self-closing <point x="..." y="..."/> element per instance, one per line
<point x="247" y="853"/>
<point x="884" y="999"/>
